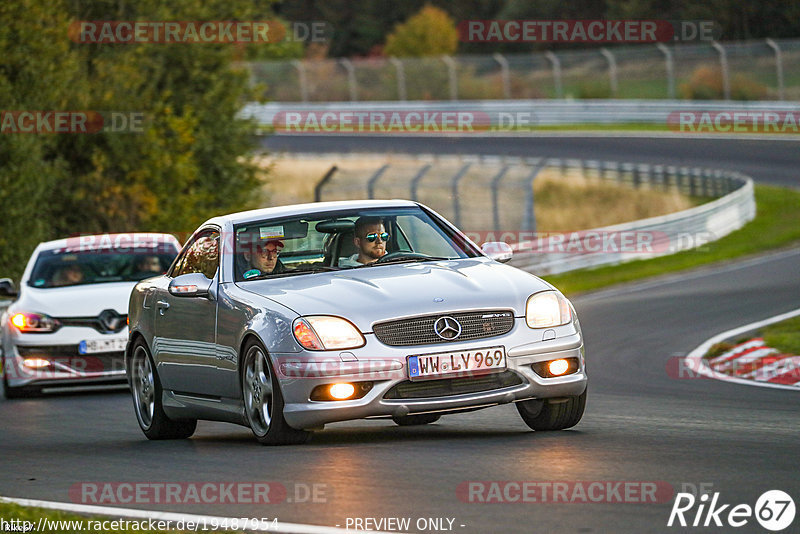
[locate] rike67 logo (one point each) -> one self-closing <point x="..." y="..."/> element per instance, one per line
<point x="774" y="511"/>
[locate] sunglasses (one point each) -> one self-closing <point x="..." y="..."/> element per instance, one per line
<point x="372" y="236"/>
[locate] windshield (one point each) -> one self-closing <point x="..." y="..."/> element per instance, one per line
<point x="344" y="240"/>
<point x="67" y="267"/>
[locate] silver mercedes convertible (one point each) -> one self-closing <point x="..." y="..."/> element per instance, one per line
<point x="285" y="319"/>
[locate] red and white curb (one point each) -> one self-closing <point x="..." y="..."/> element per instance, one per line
<point x="751" y="363"/>
<point x="175" y="518"/>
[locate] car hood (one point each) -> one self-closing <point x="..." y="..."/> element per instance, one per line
<point x="373" y="294"/>
<point x="76" y="301"/>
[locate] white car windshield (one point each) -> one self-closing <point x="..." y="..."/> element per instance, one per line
<point x="344" y="240"/>
<point x="67" y="267"/>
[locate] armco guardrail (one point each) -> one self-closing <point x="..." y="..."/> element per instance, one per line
<point x="648" y="238"/>
<point x="502" y="115"/>
<point x="492" y="199"/>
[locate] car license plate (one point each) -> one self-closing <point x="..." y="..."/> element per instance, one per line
<point x="93" y="346"/>
<point x="459" y="363"/>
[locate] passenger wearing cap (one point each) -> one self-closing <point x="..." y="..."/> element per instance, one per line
<point x="263" y="259"/>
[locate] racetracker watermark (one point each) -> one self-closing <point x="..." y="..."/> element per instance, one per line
<point x="207" y="492"/>
<point x="638" y="242"/>
<point x="119" y="243"/>
<point x="41" y="364"/>
<point x="775" y="367"/>
<point x="71" y="122"/>
<point x="387" y="121"/>
<point x="194" y="32"/>
<point x="587" y="31"/>
<point x="564" y="492"/>
<point x="735" y="121"/>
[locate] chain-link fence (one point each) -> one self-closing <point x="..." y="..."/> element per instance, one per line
<point x="751" y="70"/>
<point x="495" y="198"/>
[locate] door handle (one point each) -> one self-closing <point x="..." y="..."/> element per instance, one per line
<point x="162" y="306"/>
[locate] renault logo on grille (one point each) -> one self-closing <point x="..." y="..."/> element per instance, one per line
<point x="447" y="328"/>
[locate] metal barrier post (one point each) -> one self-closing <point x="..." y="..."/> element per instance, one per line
<point x="553" y="59"/>
<point x="325" y="179"/>
<point x="670" y="66"/>
<point x="373" y="180"/>
<point x="505" y="73"/>
<point x="301" y="76"/>
<point x="351" y="78"/>
<point x="529" y="221"/>
<point x="451" y="70"/>
<point x="778" y="66"/>
<point x="401" y="78"/>
<point x="612" y="69"/>
<point x="454" y="187"/>
<point x="417" y="177"/>
<point x="495" y="196"/>
<point x="723" y="63"/>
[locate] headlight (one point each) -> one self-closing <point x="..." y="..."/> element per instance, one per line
<point x="547" y="309"/>
<point x="324" y="332"/>
<point x="34" y="322"/>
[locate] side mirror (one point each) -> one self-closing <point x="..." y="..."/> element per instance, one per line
<point x="7" y="288"/>
<point x="498" y="251"/>
<point x="190" y="285"/>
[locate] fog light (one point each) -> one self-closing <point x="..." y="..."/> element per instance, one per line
<point x="558" y="367"/>
<point x="342" y="391"/>
<point x="35" y="363"/>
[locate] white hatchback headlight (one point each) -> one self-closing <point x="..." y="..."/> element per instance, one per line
<point x="325" y="332"/>
<point x="547" y="309"/>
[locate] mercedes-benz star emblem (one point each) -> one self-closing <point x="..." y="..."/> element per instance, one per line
<point x="447" y="328"/>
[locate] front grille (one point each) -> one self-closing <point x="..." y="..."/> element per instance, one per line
<point x="452" y="386"/>
<point x="94" y="322"/>
<point x="419" y="330"/>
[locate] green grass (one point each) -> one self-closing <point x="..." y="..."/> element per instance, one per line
<point x="784" y="336"/>
<point x="777" y="224"/>
<point x="9" y="512"/>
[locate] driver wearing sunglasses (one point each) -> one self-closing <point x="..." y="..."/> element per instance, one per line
<point x="370" y="239"/>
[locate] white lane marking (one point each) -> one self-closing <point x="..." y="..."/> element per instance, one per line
<point x="696" y="362"/>
<point x="130" y="513"/>
<point x="698" y="272"/>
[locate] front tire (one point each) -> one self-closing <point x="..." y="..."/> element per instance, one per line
<point x="550" y="414"/>
<point x="146" y="390"/>
<point x="263" y="400"/>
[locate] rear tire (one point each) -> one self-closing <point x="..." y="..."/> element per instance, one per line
<point x="263" y="400"/>
<point x="544" y="414"/>
<point x="415" y="420"/>
<point x="146" y="391"/>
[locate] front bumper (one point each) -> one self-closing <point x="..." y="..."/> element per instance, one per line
<point x="66" y="365"/>
<point x="385" y="367"/>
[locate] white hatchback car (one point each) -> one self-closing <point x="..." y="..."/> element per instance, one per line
<point x="68" y="323"/>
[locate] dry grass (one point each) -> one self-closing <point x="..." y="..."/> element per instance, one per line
<point x="564" y="202"/>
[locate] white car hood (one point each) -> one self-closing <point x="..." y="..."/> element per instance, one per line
<point x="76" y="301"/>
<point x="372" y="294"/>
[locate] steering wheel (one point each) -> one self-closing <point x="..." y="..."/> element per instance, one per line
<point x="400" y="254"/>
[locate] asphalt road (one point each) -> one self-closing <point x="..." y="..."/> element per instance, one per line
<point x="641" y="424"/>
<point x="774" y="162"/>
